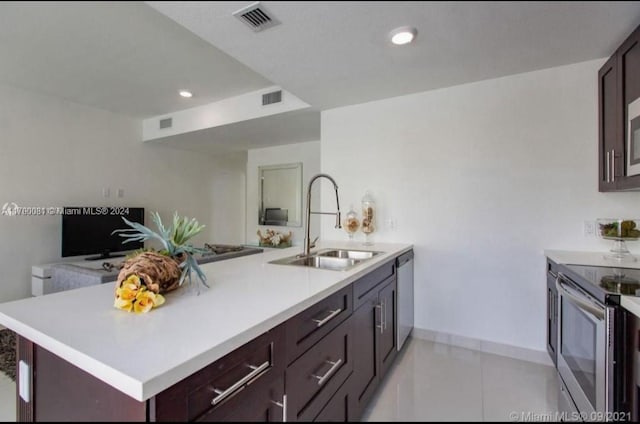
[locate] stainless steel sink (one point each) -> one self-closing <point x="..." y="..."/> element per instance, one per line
<point x="334" y="259"/>
<point x="349" y="254"/>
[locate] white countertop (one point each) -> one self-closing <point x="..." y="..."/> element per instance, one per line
<point x="630" y="303"/>
<point x="141" y="355"/>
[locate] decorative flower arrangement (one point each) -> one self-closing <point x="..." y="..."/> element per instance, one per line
<point x="274" y="238"/>
<point x="147" y="274"/>
<point x="133" y="295"/>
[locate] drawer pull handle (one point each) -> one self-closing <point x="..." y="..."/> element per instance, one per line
<point x="334" y="366"/>
<point x="381" y="306"/>
<point x="321" y="322"/>
<point x="223" y="394"/>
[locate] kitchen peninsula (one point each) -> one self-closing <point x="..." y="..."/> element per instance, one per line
<point x="170" y="364"/>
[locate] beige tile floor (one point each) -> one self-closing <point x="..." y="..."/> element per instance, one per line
<point x="436" y="382"/>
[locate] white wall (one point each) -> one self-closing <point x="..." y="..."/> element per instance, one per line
<point x="481" y="178"/>
<point x="307" y="153"/>
<point x="227" y="220"/>
<point x="57" y="153"/>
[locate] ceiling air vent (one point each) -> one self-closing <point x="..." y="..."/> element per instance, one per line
<point x="256" y="17"/>
<point x="271" y="98"/>
<point x="166" y="123"/>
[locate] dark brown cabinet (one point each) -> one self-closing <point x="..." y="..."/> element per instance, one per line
<point x="314" y="378"/>
<point x="610" y="146"/>
<point x="311" y="325"/>
<point x="252" y="373"/>
<point x="366" y="370"/>
<point x="375" y="341"/>
<point x="552" y="311"/>
<point x="388" y="339"/>
<point x="618" y="86"/>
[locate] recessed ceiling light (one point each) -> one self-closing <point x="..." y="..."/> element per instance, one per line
<point x="186" y="93"/>
<point x="403" y="35"/>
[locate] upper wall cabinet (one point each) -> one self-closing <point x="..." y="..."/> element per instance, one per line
<point x="619" y="118"/>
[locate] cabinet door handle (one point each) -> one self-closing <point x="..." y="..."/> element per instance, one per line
<point x="334" y="366"/>
<point x="381" y="307"/>
<point x="548" y="304"/>
<point x="385" y="316"/>
<point x="608" y="167"/>
<point x="223" y="394"/>
<point x="282" y="405"/>
<point x="613" y="165"/>
<point x="323" y="321"/>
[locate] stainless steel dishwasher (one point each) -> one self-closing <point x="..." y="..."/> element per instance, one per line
<point x="404" y="264"/>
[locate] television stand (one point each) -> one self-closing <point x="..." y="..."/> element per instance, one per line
<point x="105" y="255"/>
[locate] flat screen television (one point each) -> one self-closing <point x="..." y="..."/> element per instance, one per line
<point x="88" y="230"/>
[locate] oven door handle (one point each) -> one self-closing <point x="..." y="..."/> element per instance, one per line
<point x="578" y="299"/>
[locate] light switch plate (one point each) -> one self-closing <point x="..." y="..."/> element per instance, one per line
<point x="589" y="228"/>
<point x="24" y="381"/>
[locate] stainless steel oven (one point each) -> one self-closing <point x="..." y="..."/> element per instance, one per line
<point x="586" y="330"/>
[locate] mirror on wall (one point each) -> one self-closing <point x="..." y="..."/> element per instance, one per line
<point x="280" y="192"/>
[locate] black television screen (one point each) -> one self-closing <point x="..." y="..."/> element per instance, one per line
<point x="88" y="230"/>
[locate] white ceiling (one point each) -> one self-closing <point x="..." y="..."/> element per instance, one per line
<point x="284" y="128"/>
<point x="120" y="56"/>
<point x="333" y="54"/>
<point x="130" y="58"/>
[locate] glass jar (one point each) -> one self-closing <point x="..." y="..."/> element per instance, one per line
<point x="351" y="222"/>
<point x="368" y="216"/>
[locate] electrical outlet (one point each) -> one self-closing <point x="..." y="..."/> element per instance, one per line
<point x="120" y="192"/>
<point x="106" y="192"/>
<point x="589" y="228"/>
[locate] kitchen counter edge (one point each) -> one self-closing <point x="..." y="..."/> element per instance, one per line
<point x="566" y="257"/>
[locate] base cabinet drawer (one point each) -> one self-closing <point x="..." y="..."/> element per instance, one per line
<point x="315" y="377"/>
<point x="259" y="402"/>
<point x="308" y="327"/>
<point x="337" y="410"/>
<point x="216" y="390"/>
<point x="363" y="286"/>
